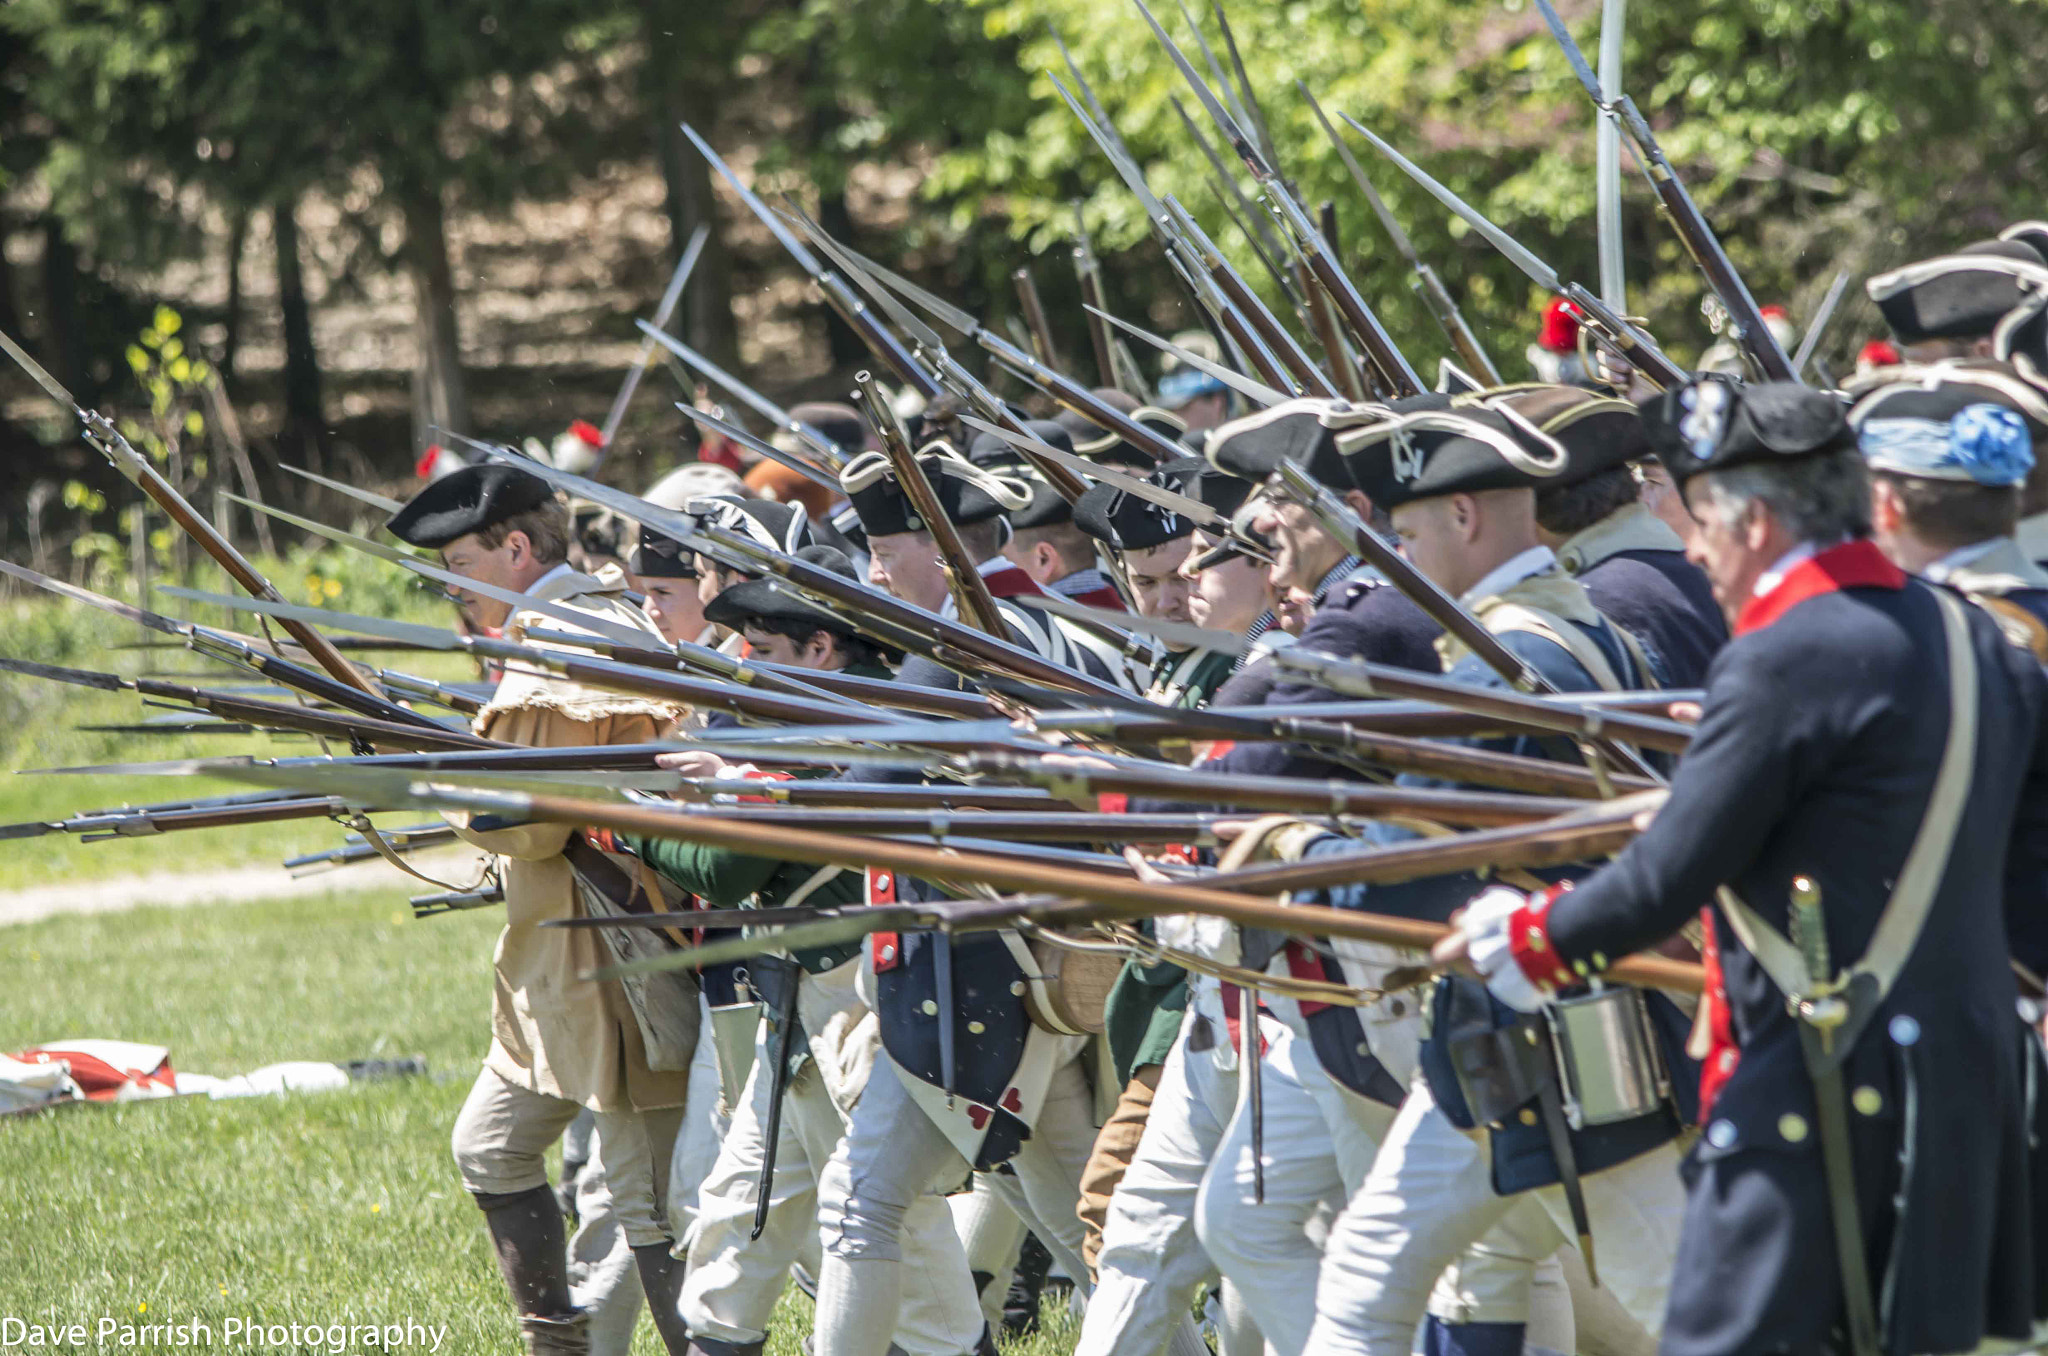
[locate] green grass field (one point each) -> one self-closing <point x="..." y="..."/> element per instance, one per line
<point x="338" y="1207"/>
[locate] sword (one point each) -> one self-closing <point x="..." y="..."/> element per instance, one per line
<point x="1820" y="1015"/>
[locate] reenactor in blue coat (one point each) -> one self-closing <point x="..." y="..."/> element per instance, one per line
<point x="1862" y="1179"/>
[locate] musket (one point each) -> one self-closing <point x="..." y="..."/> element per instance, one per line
<point x="101" y="434"/>
<point x="1088" y="273"/>
<point x="100" y="825"/>
<point x="454" y="901"/>
<point x="383" y="503"/>
<point x="1365" y="327"/>
<point x="662" y="315"/>
<point x="838" y="294"/>
<point x="976" y="605"/>
<point x="1428" y="285"/>
<point x="237" y="651"/>
<point x="1100" y="895"/>
<point x="589" y="670"/>
<point x="1584" y="715"/>
<point x="355" y="848"/>
<point x="1308" y="379"/>
<point x="828" y="451"/>
<point x="1295" y="795"/>
<point x="1250" y="222"/>
<point x="1033" y="310"/>
<point x="267" y="715"/>
<point x="1683" y="213"/>
<point x="1617" y="332"/>
<point x="932" y="348"/>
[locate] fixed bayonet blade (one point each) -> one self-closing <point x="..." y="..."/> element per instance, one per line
<point x="35" y="370"/>
<point x="1237" y="381"/>
<point x="761" y="447"/>
<point x="431" y="637"/>
<point x="804" y="258"/>
<point x="140" y="616"/>
<point x="1582" y="68"/>
<point x="1193" y="509"/>
<point x="745" y="394"/>
<point x="361" y="496"/>
<point x="611" y="631"/>
<point x="1810" y="341"/>
<point x="1402" y="244"/>
<point x="1111" y="145"/>
<point x="663" y="313"/>
<point x="920" y="333"/>
<point x="1226" y="124"/>
<point x="1221" y="81"/>
<point x="948" y="314"/>
<point x="1542" y="274"/>
<point x="1184" y="634"/>
<point x="1251" y="98"/>
<point x="56" y="673"/>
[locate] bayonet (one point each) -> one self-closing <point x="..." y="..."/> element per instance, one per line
<point x="759" y="447"/>
<point x="1269" y="342"/>
<point x="663" y="313"/>
<point x="1192" y="509"/>
<point x="1686" y="217"/>
<point x="1365" y="327"/>
<point x="830" y="452"/>
<point x="357" y="493"/>
<point x="1620" y="335"/>
<point x="1821" y="317"/>
<point x="1434" y="294"/>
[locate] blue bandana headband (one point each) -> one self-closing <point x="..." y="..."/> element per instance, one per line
<point x="1987" y="444"/>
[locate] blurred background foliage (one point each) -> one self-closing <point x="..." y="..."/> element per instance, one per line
<point x="380" y="144"/>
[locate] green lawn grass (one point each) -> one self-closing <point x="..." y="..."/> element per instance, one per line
<point x="39" y="728"/>
<point x="338" y="1207"/>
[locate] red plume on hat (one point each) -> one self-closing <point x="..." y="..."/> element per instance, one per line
<point x="578" y="448"/>
<point x="1877" y="353"/>
<point x="588" y="432"/>
<point x="1560" y="333"/>
<point x="437" y="461"/>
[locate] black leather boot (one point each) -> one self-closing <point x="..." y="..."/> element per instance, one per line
<point x="526" y="1231"/>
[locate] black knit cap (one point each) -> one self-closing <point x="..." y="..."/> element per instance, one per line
<point x="466" y="501"/>
<point x="1715" y="423"/>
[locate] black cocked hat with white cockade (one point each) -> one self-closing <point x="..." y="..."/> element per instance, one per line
<point x="1961" y="295"/>
<point x="1716" y="423"/>
<point x="967" y="494"/>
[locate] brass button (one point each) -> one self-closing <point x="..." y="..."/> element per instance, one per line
<point x="1016" y="988"/>
<point x="975" y="1028"/>
<point x="931" y="1009"/>
<point x="1528" y="1116"/>
<point x="1867" y="1100"/>
<point x="1792" y="1126"/>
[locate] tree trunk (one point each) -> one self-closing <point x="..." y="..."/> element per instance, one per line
<point x="10" y="316"/>
<point x="63" y="342"/>
<point x="685" y="84"/>
<point x="231" y="339"/>
<point x="440" y="398"/>
<point x="304" y="433"/>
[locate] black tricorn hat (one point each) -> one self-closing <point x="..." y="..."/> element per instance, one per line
<point x="1535" y="435"/>
<point x="1715" y="423"/>
<point x="1102" y="446"/>
<point x="1356" y="445"/>
<point x="2031" y="233"/>
<point x="774" y="524"/>
<point x="466" y="501"/>
<point x="840" y="423"/>
<point x="995" y="453"/>
<point x="1046" y="509"/>
<point x="967" y="493"/>
<point x="659" y="556"/>
<point x="770" y="600"/>
<point x="1127" y="522"/>
<point x="1303" y="431"/>
<point x="1961" y="295"/>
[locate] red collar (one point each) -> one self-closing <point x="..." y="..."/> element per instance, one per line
<point x="1852" y="565"/>
<point x="1010" y="582"/>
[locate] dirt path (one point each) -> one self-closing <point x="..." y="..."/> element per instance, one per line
<point x="179" y="889"/>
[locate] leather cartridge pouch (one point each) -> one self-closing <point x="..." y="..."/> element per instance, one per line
<point x="1499" y="1068"/>
<point x="664" y="1004"/>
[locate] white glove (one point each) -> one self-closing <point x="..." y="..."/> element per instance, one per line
<point x="1485" y="925"/>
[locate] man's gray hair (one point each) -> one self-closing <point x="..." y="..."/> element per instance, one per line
<point x="1820" y="499"/>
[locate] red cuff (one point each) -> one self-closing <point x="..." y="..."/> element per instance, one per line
<point x="1529" y="941"/>
<point x="601" y="839"/>
<point x="1113" y="803"/>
